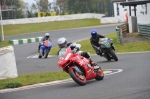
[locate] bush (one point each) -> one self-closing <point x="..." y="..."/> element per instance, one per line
<point x="13" y="85"/>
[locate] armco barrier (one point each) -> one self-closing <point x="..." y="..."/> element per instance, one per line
<point x="144" y="30"/>
<point x="24" y="41"/>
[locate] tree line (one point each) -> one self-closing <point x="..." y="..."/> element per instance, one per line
<point x="19" y="9"/>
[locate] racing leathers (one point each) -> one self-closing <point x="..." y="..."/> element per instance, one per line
<point x="42" y="40"/>
<point x="95" y="43"/>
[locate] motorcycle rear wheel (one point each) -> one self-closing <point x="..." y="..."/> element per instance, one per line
<point x="76" y="77"/>
<point x="107" y="57"/>
<point x="114" y="56"/>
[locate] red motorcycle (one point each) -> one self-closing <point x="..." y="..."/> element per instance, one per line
<point x="78" y="67"/>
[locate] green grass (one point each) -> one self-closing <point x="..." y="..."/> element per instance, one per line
<point x="4" y="43"/>
<point x="30" y="79"/>
<point x="131" y="47"/>
<point x="47" y="26"/>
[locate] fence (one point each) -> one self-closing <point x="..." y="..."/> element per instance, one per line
<point x="144" y="30"/>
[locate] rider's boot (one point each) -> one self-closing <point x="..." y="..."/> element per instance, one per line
<point x="93" y="64"/>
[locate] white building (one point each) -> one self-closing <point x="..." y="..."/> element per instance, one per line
<point x="140" y="9"/>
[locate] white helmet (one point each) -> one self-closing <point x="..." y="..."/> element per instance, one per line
<point x="46" y="34"/>
<point x="62" y="42"/>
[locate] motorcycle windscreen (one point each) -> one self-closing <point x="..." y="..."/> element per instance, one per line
<point x="64" y="55"/>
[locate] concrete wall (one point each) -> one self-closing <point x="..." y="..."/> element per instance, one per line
<point x="52" y="18"/>
<point x="113" y="19"/>
<point x="143" y="19"/>
<point x="7" y="63"/>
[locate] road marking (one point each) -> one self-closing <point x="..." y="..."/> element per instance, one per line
<point x="36" y="56"/>
<point x="107" y="72"/>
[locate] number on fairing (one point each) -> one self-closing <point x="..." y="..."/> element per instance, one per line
<point x="67" y="56"/>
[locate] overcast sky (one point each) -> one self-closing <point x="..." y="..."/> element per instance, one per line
<point x="32" y="1"/>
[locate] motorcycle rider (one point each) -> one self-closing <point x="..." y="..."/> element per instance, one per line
<point x="94" y="41"/>
<point x="62" y="43"/>
<point x="46" y="37"/>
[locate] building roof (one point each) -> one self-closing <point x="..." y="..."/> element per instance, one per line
<point x="134" y="3"/>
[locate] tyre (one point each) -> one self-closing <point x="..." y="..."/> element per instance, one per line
<point x="107" y="56"/>
<point x="99" y="75"/>
<point x="40" y="56"/>
<point x="77" y="78"/>
<point x="46" y="54"/>
<point x="112" y="52"/>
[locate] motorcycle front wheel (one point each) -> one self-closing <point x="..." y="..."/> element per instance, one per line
<point x="79" y="79"/>
<point x="99" y="75"/>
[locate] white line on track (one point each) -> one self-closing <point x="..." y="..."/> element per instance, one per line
<point x="107" y="72"/>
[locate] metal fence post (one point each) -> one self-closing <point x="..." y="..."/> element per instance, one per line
<point x="119" y="35"/>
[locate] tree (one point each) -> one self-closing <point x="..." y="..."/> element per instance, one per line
<point x="15" y="8"/>
<point x="61" y="6"/>
<point x="43" y="5"/>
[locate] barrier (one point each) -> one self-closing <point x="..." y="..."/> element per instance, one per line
<point x="121" y="31"/>
<point x="25" y="41"/>
<point x="52" y="18"/>
<point x="124" y="27"/>
<point x="7" y="63"/>
<point x="144" y="30"/>
<point x="119" y="36"/>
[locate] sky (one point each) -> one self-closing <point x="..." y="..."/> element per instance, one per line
<point x="32" y="1"/>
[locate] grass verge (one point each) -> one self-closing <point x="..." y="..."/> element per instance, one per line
<point x="4" y="43"/>
<point x="30" y="79"/>
<point x="47" y="26"/>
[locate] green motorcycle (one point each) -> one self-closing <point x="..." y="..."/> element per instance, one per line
<point x="107" y="49"/>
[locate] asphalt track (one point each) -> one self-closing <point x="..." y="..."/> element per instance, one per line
<point x="29" y="65"/>
<point x="132" y="83"/>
